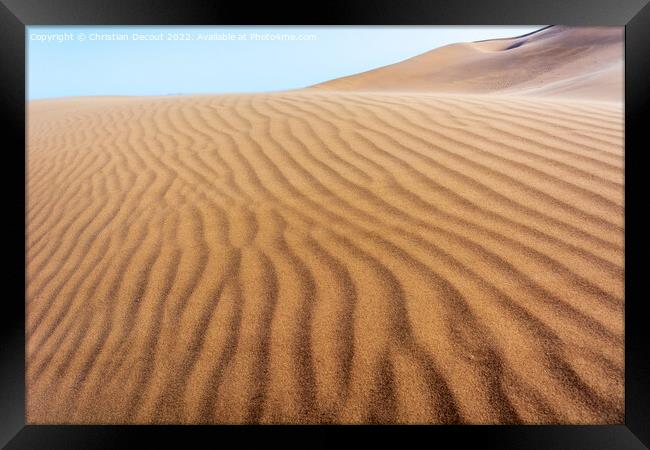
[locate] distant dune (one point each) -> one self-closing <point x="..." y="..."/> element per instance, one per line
<point x="570" y="62"/>
<point x="377" y="249"/>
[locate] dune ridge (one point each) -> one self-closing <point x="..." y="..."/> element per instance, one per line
<point x="334" y="254"/>
<point x="566" y="62"/>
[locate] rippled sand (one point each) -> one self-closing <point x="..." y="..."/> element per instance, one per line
<point x="325" y="256"/>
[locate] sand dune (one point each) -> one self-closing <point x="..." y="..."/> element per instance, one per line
<point x="326" y="256"/>
<point x="569" y="62"/>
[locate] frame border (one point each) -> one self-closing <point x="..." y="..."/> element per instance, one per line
<point x="16" y="15"/>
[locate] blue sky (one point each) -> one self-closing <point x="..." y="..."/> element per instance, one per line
<point x="74" y="61"/>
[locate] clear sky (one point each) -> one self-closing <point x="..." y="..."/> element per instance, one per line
<point x="73" y="61"/>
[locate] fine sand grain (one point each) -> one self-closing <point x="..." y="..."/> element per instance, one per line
<point x="333" y="254"/>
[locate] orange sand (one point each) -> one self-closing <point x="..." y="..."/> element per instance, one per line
<point x="377" y="249"/>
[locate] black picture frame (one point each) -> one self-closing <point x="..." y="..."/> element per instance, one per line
<point x="15" y="15"/>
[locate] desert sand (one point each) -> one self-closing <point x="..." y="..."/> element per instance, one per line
<point x="436" y="241"/>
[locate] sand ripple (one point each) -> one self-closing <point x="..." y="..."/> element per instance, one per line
<point x="316" y="256"/>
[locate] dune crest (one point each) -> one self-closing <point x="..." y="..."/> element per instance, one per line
<point x="570" y="62"/>
<point x="330" y="255"/>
